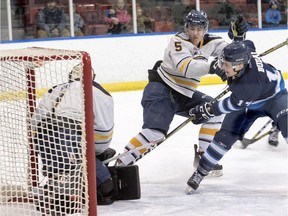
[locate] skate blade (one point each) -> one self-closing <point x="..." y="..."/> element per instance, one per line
<point x="273" y="144"/>
<point x="216" y="173"/>
<point x="243" y="146"/>
<point x="189" y="190"/>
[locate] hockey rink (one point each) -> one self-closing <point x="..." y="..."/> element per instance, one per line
<point x="255" y="180"/>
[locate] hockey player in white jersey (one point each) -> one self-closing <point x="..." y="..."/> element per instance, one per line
<point x="173" y="82"/>
<point x="61" y="105"/>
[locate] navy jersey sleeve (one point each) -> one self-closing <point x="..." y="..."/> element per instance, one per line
<point x="257" y="85"/>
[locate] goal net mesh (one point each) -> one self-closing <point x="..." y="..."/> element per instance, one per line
<point x="43" y="164"/>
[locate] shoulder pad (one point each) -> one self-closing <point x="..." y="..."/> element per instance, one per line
<point x="210" y="37"/>
<point x="98" y="86"/>
<point x="182" y="35"/>
<point x="51" y="89"/>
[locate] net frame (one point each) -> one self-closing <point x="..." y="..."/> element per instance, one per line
<point x="37" y="56"/>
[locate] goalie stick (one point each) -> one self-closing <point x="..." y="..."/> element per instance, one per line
<point x="256" y="137"/>
<point x="153" y="145"/>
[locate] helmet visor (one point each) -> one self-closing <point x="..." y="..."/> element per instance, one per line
<point x="222" y="62"/>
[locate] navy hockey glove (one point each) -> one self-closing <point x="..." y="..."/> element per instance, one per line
<point x="238" y="28"/>
<point x="200" y="113"/>
<point x="214" y="69"/>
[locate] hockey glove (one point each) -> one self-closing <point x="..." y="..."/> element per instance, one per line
<point x="214" y="69"/>
<point x="238" y="28"/>
<point x="201" y="113"/>
<point x="108" y="153"/>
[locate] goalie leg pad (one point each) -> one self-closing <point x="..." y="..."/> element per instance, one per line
<point x="127" y="182"/>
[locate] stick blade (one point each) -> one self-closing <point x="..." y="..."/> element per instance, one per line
<point x="246" y="142"/>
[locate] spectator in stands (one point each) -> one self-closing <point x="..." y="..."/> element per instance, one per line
<point x="179" y="12"/>
<point x="224" y="11"/>
<point x="144" y="23"/>
<point x="78" y="23"/>
<point x="118" y="18"/>
<point x="282" y="7"/>
<point x="273" y="15"/>
<point x="20" y="10"/>
<point x="51" y="21"/>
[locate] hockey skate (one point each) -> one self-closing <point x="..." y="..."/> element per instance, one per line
<point x="193" y="182"/>
<point x="273" y="137"/>
<point x="217" y="171"/>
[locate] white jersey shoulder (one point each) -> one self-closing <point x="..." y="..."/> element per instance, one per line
<point x="70" y="106"/>
<point x="184" y="63"/>
<point x="103" y="109"/>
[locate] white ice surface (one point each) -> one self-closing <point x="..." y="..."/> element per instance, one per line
<point x="255" y="180"/>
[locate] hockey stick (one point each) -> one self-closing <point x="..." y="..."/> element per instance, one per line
<point x="153" y="145"/>
<point x="246" y="142"/>
<point x="157" y="143"/>
<point x="272" y="49"/>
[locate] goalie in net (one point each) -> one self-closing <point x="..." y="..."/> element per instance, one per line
<point x="57" y="123"/>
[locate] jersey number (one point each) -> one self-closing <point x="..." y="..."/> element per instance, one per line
<point x="272" y="75"/>
<point x="178" y="46"/>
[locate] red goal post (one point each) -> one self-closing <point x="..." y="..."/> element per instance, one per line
<point x="25" y="76"/>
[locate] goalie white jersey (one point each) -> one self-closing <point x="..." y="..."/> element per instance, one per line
<point x="184" y="63"/>
<point x="70" y="108"/>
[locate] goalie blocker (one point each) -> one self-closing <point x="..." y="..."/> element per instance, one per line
<point x="126" y="182"/>
<point x="125" y="179"/>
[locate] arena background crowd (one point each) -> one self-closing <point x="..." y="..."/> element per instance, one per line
<point x="20" y="18"/>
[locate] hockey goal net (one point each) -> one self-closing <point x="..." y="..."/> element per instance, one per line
<point x="47" y="165"/>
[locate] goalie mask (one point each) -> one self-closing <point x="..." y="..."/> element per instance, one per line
<point x="77" y="72"/>
<point x="235" y="53"/>
<point x="197" y="19"/>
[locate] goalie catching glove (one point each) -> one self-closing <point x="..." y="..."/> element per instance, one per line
<point x="201" y="113"/>
<point x="238" y="28"/>
<point x="215" y="69"/>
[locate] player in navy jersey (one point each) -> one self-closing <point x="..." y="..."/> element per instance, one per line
<point x="173" y="82"/>
<point x="257" y="90"/>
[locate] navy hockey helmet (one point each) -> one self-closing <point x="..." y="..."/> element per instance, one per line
<point x="197" y="18"/>
<point x="236" y="53"/>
